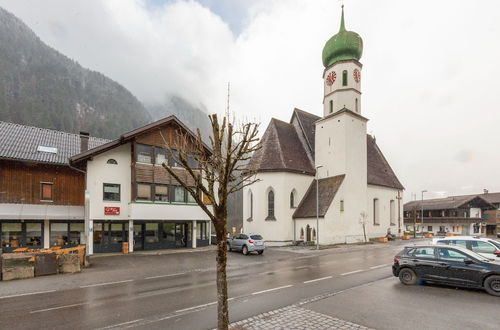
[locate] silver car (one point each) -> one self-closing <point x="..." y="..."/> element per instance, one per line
<point x="246" y="243"/>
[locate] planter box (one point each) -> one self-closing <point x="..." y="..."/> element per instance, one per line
<point x="382" y="239"/>
<point x="405" y="237"/>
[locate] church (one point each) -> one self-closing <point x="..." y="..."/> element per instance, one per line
<point x="324" y="178"/>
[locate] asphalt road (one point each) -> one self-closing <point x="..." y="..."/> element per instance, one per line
<point x="178" y="291"/>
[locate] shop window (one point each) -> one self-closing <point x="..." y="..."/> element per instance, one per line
<point x="46" y="191"/>
<point x="99" y="229"/>
<point x="376" y="216"/>
<point x="116" y="233"/>
<point x="111" y="192"/>
<point x="169" y="231"/>
<point x="112" y="161"/>
<point x="58" y="234"/>
<point x="76" y="233"/>
<point x="151" y="233"/>
<point x="161" y="193"/>
<point x="34" y="234"/>
<point x="143" y="192"/>
<point x="161" y="156"/>
<point x="201" y="231"/>
<point x="179" y="194"/>
<point x="11" y="234"/>
<point x="144" y="153"/>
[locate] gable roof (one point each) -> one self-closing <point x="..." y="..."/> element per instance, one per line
<point x="126" y="137"/>
<point x="380" y="172"/>
<point x="306" y="121"/>
<point x="281" y="150"/>
<point x="20" y="142"/>
<point x="327" y="189"/>
<point x="447" y="203"/>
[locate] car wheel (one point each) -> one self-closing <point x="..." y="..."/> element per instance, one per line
<point x="408" y="276"/>
<point x="245" y="250"/>
<point x="260" y="252"/>
<point x="492" y="285"/>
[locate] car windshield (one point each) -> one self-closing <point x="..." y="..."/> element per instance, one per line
<point x="497" y="244"/>
<point x="256" y="237"/>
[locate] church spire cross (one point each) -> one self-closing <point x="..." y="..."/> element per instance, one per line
<point x="342" y="23"/>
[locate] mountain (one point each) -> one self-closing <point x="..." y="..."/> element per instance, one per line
<point x="41" y="87"/>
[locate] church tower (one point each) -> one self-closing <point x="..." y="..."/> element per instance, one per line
<point x="340" y="140"/>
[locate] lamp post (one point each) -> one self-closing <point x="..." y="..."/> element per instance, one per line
<point x="422" y="214"/>
<point x="317" y="206"/>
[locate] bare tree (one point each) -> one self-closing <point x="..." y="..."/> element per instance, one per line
<point x="213" y="173"/>
<point x="363" y="218"/>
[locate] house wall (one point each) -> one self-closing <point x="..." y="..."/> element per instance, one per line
<point x="282" y="183"/>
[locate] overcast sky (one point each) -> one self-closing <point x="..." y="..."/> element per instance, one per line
<point x="430" y="68"/>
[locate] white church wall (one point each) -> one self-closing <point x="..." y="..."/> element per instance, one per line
<point x="384" y="195"/>
<point x="282" y="183"/>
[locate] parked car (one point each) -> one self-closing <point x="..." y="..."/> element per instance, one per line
<point x="446" y="264"/>
<point x="486" y="247"/>
<point x="246" y="243"/>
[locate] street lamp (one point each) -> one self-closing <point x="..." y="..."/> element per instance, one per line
<point x="422" y="214"/>
<point x="317" y="206"/>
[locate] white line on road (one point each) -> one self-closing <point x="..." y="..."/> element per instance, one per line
<point x="195" y="307"/>
<point x="353" y="272"/>
<point x="120" y="324"/>
<point x="55" y="308"/>
<point x="318" y="279"/>
<point x="301" y="267"/>
<point x="107" y="283"/>
<point x="160" y="276"/>
<point x="274" y="289"/>
<point x="379" y="266"/>
<point x="26" y="294"/>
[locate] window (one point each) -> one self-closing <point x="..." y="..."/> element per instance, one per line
<point x="11" y="234"/>
<point x="151" y="233"/>
<point x="376" y="220"/>
<point x="58" y="234"/>
<point x="344" y="78"/>
<point x="34" y="234"/>
<point x="192" y="161"/>
<point x="424" y="252"/>
<point x="314" y="233"/>
<point x="190" y="198"/>
<point x="482" y="247"/>
<point x="173" y="159"/>
<point x="301" y="233"/>
<point x="293" y="199"/>
<point x="270" y="205"/>
<point x="161" y="193"/>
<point x="451" y="255"/>
<point x="46" y="191"/>
<point x="250" y="202"/>
<point x="331" y="106"/>
<point x="458" y="242"/>
<point x="161" y="156"/>
<point x="169" y="231"/>
<point x="392" y="211"/>
<point x="112" y="161"/>
<point x="76" y="233"/>
<point x="144" y="153"/>
<point x="111" y="192"/>
<point x="356" y="105"/>
<point x="179" y="194"/>
<point x="342" y="205"/>
<point x="201" y="230"/>
<point x="144" y="192"/>
<point x="429" y="228"/>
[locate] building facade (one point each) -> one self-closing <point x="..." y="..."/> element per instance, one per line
<point x="325" y="167"/>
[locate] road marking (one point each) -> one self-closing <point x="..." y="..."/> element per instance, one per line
<point x="107" y="283"/>
<point x="318" y="279"/>
<point x="379" y="266"/>
<point x="55" y="308"/>
<point x="160" y="276"/>
<point x="274" y="289"/>
<point x="26" y="294"/>
<point x="120" y="324"/>
<point x="301" y="267"/>
<point x="195" y="307"/>
<point x="353" y="272"/>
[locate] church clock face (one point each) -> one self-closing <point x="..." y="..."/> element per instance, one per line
<point x="330" y="79"/>
<point x="357" y="75"/>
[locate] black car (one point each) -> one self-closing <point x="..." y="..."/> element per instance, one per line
<point x="451" y="265"/>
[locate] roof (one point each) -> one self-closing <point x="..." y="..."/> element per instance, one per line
<point x="124" y="138"/>
<point x="452" y="202"/>
<point x="380" y="172"/>
<point x="281" y="150"/>
<point x="20" y="142"/>
<point x="306" y="121"/>
<point x="327" y="189"/>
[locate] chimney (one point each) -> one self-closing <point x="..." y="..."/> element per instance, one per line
<point x="485" y="191"/>
<point x="84" y="141"/>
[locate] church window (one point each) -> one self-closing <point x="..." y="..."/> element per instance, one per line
<point x="331" y="106"/>
<point x="344" y="78"/>
<point x="376" y="217"/>
<point x="250" y="203"/>
<point x="392" y="210"/>
<point x="112" y="161"/>
<point x="293" y="199"/>
<point x="342" y="206"/>
<point x="301" y="233"/>
<point x="314" y="233"/>
<point x="356" y="105"/>
<point x="270" y="205"/>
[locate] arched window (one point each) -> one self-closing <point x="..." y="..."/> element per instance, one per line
<point x="302" y="233"/>
<point x="250" y="204"/>
<point x="112" y="161"/>
<point x="314" y="233"/>
<point x="293" y="199"/>
<point x="331" y="106"/>
<point x="344" y="78"/>
<point x="356" y="105"/>
<point x="270" y="204"/>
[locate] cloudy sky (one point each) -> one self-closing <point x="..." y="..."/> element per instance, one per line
<point x="430" y="69"/>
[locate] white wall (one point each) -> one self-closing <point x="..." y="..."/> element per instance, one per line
<point x="165" y="211"/>
<point x="99" y="172"/>
<point x="282" y="183"/>
<point x="384" y="196"/>
<point x="342" y="96"/>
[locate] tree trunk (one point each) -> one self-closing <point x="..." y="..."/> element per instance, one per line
<point x="222" y="306"/>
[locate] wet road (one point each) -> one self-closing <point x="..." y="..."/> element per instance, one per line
<point x="158" y="292"/>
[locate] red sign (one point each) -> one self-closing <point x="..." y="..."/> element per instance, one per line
<point x="111" y="210"/>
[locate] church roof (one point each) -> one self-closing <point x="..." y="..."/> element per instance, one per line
<point x="380" y="172"/>
<point x="306" y="121"/>
<point x="281" y="150"/>
<point x="327" y="188"/>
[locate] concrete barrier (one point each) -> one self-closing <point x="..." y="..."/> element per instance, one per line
<point x="69" y="263"/>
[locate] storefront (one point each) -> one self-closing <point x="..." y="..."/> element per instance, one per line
<point x="109" y="236"/>
<point x="16" y="233"/>
<point x="66" y="233"/>
<point x="150" y="235"/>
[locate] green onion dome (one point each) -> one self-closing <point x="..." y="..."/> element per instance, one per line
<point x="345" y="45"/>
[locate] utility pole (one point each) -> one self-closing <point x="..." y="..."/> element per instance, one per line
<point x="317" y="206"/>
<point x="399" y="212"/>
